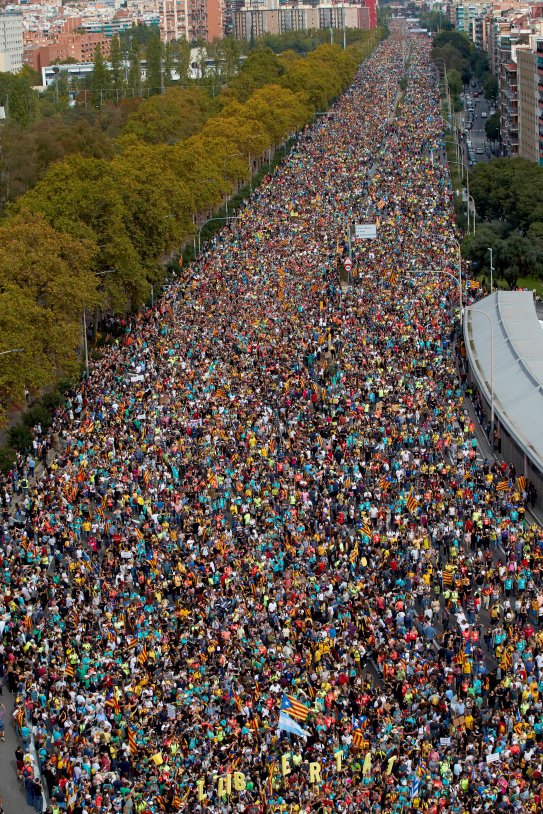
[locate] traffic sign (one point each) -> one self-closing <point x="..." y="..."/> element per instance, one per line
<point x="365" y="231"/>
<point x="348" y="263"/>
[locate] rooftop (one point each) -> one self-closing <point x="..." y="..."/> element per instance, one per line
<point x="518" y="364"/>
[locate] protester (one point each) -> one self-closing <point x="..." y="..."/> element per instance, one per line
<point x="271" y="487"/>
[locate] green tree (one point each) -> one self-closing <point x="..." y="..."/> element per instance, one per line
<point x="117" y="68"/>
<point x="168" y="64"/>
<point x="82" y="198"/>
<point x="492" y="127"/>
<point x="181" y="60"/>
<point x="45" y="283"/>
<point x="134" y="69"/>
<point x="153" y="55"/>
<point x="100" y="79"/>
<point x="18" y="97"/>
<point x="178" y="114"/>
<point x="262" y="67"/>
<point x="490" y="86"/>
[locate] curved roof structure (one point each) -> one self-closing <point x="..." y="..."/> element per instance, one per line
<point x="512" y="328"/>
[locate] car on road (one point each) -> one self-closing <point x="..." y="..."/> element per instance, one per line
<point x="480" y="150"/>
<point x="484" y="114"/>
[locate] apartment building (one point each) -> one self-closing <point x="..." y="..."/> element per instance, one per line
<point x="253" y="20"/>
<point x="11" y="42"/>
<point x="191" y="20"/>
<point x="509" y="107"/>
<point x="79" y="47"/>
<point x="528" y="104"/>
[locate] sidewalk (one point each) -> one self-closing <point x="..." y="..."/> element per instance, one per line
<point x="11" y="790"/>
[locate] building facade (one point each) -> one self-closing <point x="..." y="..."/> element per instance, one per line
<point x="528" y="104"/>
<point x="191" y="20"/>
<point x="253" y="20"/>
<point x="11" y="42"/>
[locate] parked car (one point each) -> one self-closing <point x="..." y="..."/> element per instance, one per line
<point x="480" y="150"/>
<point x="484" y="114"/>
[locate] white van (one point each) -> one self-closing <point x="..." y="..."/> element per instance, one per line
<point x="484" y="114"/>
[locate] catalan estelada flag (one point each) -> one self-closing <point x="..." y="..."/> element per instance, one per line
<point x="411" y="502"/>
<point x="142" y="658"/>
<point x="502" y="486"/>
<point x="294" y="708"/>
<point x="365" y="528"/>
<point x="358" y="739"/>
<point x="132" y="740"/>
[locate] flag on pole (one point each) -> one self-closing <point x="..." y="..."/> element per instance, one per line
<point x="288" y="724"/>
<point x="521" y="483"/>
<point x="142" y="658"/>
<point x="290" y="705"/>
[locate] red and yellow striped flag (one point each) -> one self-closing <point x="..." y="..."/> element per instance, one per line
<point x="502" y="486"/>
<point x="294" y="708"/>
<point x="132" y="740"/>
<point x="358" y="739"/>
<point x="521" y="483"/>
<point x="411" y="502"/>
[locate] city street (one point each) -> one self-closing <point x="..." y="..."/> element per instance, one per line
<point x="477" y="134"/>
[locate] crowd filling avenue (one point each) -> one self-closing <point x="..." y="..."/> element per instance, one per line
<point x="267" y="569"/>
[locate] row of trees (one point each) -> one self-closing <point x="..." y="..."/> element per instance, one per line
<point x="463" y="61"/>
<point x="95" y="229"/>
<point x="508" y="195"/>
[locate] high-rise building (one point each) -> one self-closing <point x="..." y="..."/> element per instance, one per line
<point x="539" y="53"/>
<point x="256" y="18"/>
<point x="528" y="104"/>
<point x="11" y="42"/>
<point x="191" y="20"/>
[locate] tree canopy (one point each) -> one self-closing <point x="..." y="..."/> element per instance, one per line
<point x="95" y="202"/>
<point x="508" y="195"/>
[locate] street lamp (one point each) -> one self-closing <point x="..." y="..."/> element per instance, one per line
<point x="227" y="218"/>
<point x="484" y="313"/>
<point x="472" y="201"/>
<point x="447" y="274"/>
<point x="491" y="269"/>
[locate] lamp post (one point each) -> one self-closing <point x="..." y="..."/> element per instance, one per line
<point x="227" y="218"/>
<point x="472" y="201"/>
<point x="491" y="269"/>
<point x="484" y="313"/>
<point x="452" y="276"/>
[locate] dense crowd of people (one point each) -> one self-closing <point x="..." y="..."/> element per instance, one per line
<point x="271" y="487"/>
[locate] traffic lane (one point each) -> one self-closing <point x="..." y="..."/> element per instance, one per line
<point x="477" y="133"/>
